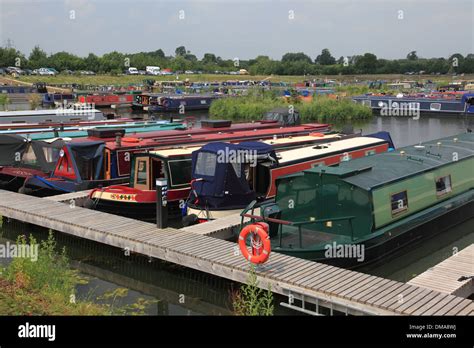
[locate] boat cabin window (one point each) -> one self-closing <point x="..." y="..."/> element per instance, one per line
<point x="180" y="172"/>
<point x="435" y="106"/>
<point x="443" y="185"/>
<point x="205" y="164"/>
<point x="142" y="173"/>
<point x="29" y="157"/>
<point x="399" y="202"/>
<point x="370" y="152"/>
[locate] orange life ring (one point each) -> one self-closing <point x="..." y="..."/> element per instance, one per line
<point x="260" y="229"/>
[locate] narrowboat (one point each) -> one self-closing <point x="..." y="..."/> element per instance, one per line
<point x="50" y="116"/>
<point x="174" y="103"/>
<point x="107" y="100"/>
<point x="119" y="152"/>
<point x="53" y="99"/>
<point x="143" y="100"/>
<point x="415" y="106"/>
<point x="138" y="200"/>
<point x="224" y="185"/>
<point x="35" y="88"/>
<point x="20" y="158"/>
<point x="130" y="128"/>
<point x="365" y="209"/>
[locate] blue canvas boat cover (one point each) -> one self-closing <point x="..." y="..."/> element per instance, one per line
<point x="219" y="172"/>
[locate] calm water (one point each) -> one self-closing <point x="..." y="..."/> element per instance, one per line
<point x="180" y="291"/>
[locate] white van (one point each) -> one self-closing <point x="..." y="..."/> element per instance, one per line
<point x="153" y="70"/>
<point x="132" y="71"/>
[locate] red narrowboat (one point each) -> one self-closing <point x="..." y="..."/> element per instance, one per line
<point x="138" y="200"/>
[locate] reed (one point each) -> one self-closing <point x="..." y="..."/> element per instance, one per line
<point x="321" y="108"/>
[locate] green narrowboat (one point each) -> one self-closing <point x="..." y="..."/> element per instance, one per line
<point x="367" y="208"/>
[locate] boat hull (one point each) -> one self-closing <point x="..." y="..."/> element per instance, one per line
<point x="393" y="240"/>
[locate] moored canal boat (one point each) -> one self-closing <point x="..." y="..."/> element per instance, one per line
<point x="118" y="154"/>
<point x="224" y="185"/>
<point x="374" y="205"/>
<point x="139" y="199"/>
<point x="460" y="105"/>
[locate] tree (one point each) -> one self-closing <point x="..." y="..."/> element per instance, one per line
<point x="180" y="51"/>
<point x="209" y="58"/>
<point x="412" y="55"/>
<point x="92" y="62"/>
<point x="158" y="54"/>
<point x="366" y="64"/>
<point x="38" y="58"/>
<point x="295" y="57"/>
<point x="11" y="57"/>
<point x="325" y="58"/>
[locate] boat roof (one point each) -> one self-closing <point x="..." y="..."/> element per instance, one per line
<point x="326" y="148"/>
<point x="373" y="171"/>
<point x="178" y="151"/>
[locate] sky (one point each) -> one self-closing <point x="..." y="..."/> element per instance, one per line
<point x="241" y="29"/>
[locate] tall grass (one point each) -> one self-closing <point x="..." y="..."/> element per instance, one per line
<point x="250" y="300"/>
<point x="321" y="108"/>
<point x="47" y="286"/>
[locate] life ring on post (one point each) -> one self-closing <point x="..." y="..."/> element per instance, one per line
<point x="260" y="241"/>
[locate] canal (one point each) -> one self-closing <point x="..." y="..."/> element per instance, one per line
<point x="181" y="291"/>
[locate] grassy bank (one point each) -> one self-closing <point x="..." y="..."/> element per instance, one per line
<point x="320" y="109"/>
<point x="138" y="79"/>
<point x="47" y="286"/>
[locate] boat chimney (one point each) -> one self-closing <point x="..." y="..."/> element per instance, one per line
<point x="118" y="139"/>
<point x="56" y="133"/>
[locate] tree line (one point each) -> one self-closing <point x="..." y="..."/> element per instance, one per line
<point x="290" y="64"/>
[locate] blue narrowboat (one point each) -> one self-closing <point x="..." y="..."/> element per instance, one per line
<point x="385" y="105"/>
<point x="176" y="102"/>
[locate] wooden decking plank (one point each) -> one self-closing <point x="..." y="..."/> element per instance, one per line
<point x="450" y="305"/>
<point x="418" y="295"/>
<point x="372" y="290"/>
<point x="459" y="307"/>
<point x="430" y="303"/>
<point x="338" y="283"/>
<point x="437" y="306"/>
<point x="319" y="273"/>
<point x="392" y="291"/>
<point x="469" y="310"/>
<point x="307" y="271"/>
<point x="367" y="283"/>
<point x="407" y="294"/>
<point x="419" y="304"/>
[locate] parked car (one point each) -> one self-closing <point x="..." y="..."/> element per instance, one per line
<point x="3" y="71"/>
<point x="189" y="72"/>
<point x="141" y="72"/>
<point x="27" y="71"/>
<point x="67" y="72"/>
<point x="13" y="70"/>
<point x="46" y="72"/>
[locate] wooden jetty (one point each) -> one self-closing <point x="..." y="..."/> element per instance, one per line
<point x="303" y="281"/>
<point x="74" y="198"/>
<point x="223" y="228"/>
<point x="445" y="276"/>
